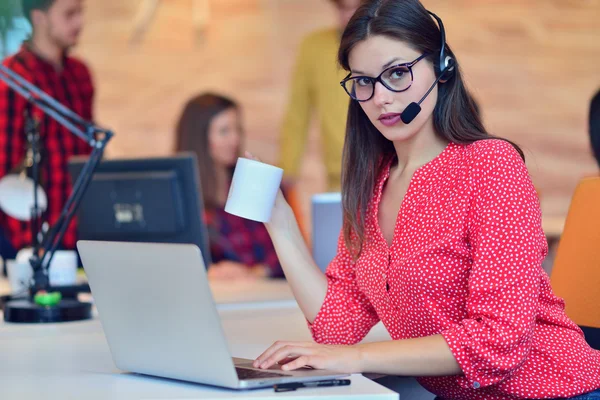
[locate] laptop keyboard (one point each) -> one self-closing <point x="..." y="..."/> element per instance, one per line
<point x="246" y="373"/>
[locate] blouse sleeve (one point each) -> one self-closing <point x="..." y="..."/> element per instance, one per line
<point x="346" y="315"/>
<point x="508" y="246"/>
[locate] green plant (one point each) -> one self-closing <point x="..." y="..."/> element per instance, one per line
<point x="9" y="9"/>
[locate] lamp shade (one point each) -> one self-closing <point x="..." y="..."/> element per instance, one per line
<point x="16" y="196"/>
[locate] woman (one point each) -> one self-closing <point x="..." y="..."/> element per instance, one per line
<point x="442" y="237"/>
<point x="211" y="126"/>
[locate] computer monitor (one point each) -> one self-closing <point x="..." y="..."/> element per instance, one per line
<point x="327" y="219"/>
<point x="143" y="200"/>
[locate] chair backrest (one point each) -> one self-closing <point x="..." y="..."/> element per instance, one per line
<point x="576" y="272"/>
<point x="327" y="220"/>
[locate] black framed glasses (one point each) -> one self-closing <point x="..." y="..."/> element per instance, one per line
<point x="396" y="78"/>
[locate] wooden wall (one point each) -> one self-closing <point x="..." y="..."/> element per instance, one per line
<point x="533" y="65"/>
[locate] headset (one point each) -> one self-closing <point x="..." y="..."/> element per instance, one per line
<point x="446" y="65"/>
<point x="445" y="72"/>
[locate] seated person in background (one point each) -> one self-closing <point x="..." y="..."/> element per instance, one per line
<point x="211" y="126"/>
<point x="595" y="126"/>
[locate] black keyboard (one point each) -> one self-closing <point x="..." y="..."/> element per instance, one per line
<point x="246" y="373"/>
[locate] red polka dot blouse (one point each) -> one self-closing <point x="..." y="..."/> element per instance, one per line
<point x="465" y="262"/>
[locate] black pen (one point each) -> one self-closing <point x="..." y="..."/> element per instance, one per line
<point x="288" y="387"/>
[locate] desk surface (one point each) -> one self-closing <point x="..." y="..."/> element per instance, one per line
<point x="73" y="360"/>
<point x="259" y="291"/>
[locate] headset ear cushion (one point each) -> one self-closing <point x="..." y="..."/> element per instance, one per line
<point x="448" y="69"/>
<point x="449" y="63"/>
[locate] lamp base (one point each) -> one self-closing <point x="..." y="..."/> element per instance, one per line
<point x="28" y="312"/>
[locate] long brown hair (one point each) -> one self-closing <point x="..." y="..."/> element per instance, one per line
<point x="366" y="150"/>
<point x="192" y="135"/>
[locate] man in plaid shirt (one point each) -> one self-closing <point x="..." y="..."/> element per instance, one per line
<point x="44" y="61"/>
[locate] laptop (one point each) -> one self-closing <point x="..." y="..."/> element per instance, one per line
<point x="160" y="319"/>
<point x="327" y="218"/>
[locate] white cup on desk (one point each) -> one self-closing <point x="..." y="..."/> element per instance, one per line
<point x="253" y="190"/>
<point x="19" y="275"/>
<point x="63" y="268"/>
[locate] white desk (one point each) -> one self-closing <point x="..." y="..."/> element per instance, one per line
<point x="72" y="361"/>
<point x="241" y="294"/>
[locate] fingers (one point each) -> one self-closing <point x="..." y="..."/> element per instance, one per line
<point x="214" y="272"/>
<point x="251" y="156"/>
<point x="280" y="197"/>
<point x="300" y="362"/>
<point x="287" y="360"/>
<point x="274" y="348"/>
<point x="268" y="352"/>
<point x="285" y="352"/>
<point x="229" y="270"/>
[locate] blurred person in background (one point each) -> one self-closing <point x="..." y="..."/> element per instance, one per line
<point x="314" y="87"/>
<point x="45" y="61"/>
<point x="211" y="126"/>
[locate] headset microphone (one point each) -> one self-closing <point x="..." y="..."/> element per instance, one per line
<point x="413" y="109"/>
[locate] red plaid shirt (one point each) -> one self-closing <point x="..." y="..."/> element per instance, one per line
<point x="72" y="87"/>
<point x="238" y="239"/>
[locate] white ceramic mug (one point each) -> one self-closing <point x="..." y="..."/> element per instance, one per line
<point x="19" y="275"/>
<point x="253" y="190"/>
<point x="63" y="269"/>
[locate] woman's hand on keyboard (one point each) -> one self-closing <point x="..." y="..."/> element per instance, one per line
<point x="295" y="355"/>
